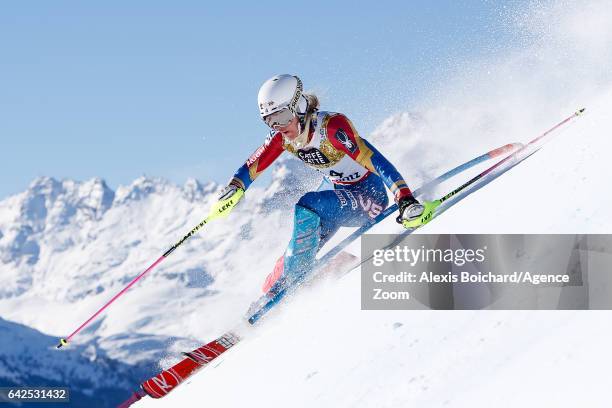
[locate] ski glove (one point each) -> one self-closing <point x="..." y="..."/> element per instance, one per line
<point x="228" y="198"/>
<point x="413" y="214"/>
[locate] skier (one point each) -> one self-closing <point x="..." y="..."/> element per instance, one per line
<point x="327" y="142"/>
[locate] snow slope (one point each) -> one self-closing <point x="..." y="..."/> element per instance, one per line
<point x="66" y="247"/>
<point x="321" y="350"/>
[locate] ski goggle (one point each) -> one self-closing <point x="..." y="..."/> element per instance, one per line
<point x="279" y="119"/>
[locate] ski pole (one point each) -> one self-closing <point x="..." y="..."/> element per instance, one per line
<point x="494" y="153"/>
<point x="220" y="210"/>
<point x="436" y="203"/>
<point x="524" y="148"/>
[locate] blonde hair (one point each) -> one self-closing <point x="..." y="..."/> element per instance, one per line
<point x="313" y="102"/>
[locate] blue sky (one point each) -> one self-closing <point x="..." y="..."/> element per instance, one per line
<point x="121" y="89"/>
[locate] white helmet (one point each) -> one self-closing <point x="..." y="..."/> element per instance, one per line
<point x="281" y="92"/>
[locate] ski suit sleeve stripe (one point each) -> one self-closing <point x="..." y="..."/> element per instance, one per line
<point x="260" y="160"/>
<point x="343" y="136"/>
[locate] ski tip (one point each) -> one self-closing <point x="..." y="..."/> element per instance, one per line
<point x="62" y="343"/>
<point x="136" y="396"/>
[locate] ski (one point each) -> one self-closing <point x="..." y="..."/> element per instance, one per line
<point x="170" y="378"/>
<point x="167" y="380"/>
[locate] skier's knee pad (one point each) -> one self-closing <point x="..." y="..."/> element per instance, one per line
<point x="304" y="245"/>
<point x="306" y="231"/>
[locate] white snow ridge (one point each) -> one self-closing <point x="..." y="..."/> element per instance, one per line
<point x="66" y="247"/>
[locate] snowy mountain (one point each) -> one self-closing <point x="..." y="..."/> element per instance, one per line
<point x="320" y="349"/>
<point x="65" y="243"/>
<point x="66" y="247"/>
<point x="28" y="358"/>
